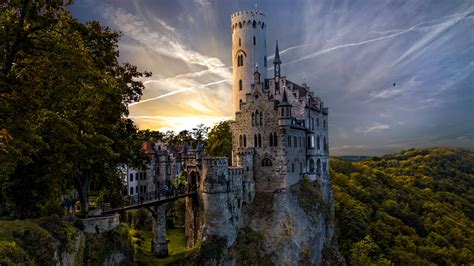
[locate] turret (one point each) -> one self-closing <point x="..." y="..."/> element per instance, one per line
<point x="248" y="50"/>
<point x="284" y="111"/>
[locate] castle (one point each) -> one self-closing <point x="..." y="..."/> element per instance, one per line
<point x="279" y="137"/>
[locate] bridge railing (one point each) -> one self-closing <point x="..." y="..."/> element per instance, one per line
<point x="153" y="196"/>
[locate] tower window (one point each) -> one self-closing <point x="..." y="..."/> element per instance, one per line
<point x="253" y="119"/>
<point x="271" y="139"/>
<point x="261" y="118"/>
<point x="254" y="24"/>
<point x="265" y="61"/>
<point x="259" y="140"/>
<point x="255" y="142"/>
<point x="240" y="85"/>
<point x="256" y="118"/>
<point x="266" y="162"/>
<point x="240" y="24"/>
<point x="240" y="104"/>
<point x="275" y="143"/>
<point x="254" y="40"/>
<point x="295" y="141"/>
<point x="240" y="140"/>
<point x="318" y="142"/>
<point x="289" y="141"/>
<point x="245" y="140"/>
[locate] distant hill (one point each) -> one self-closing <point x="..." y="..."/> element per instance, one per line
<point x="415" y="207"/>
<point x="355" y="158"/>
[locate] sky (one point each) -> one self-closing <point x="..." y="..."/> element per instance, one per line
<point x="350" y="52"/>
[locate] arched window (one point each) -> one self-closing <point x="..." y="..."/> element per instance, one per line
<point x="255" y="143"/>
<point x="240" y="42"/>
<point x="292" y="167"/>
<point x="259" y="140"/>
<point x="271" y="139"/>
<point x="319" y="166"/>
<point x="240" y="104"/>
<point x="240" y="140"/>
<point x="256" y="118"/>
<point x="245" y="140"/>
<point x="261" y="118"/>
<point x="254" y="40"/>
<point x="254" y="24"/>
<point x="240" y="85"/>
<point x="311" y="165"/>
<point x="275" y="143"/>
<point x="253" y="119"/>
<point x="240" y="24"/>
<point x="266" y="162"/>
<point x="263" y="25"/>
<point x="318" y="142"/>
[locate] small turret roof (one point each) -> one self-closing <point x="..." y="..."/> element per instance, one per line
<point x="284" y="100"/>
<point x="277" y="60"/>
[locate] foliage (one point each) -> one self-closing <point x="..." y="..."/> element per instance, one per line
<point x="310" y="198"/>
<point x="25" y="242"/>
<point x="219" y="142"/>
<point x="64" y="101"/>
<point x="248" y="249"/>
<point x="413" y="207"/>
<point x="99" y="247"/>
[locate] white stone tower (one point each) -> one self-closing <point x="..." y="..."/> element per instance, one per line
<point x="248" y="50"/>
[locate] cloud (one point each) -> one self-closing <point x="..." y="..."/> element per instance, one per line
<point x="202" y="3"/>
<point x="374" y="128"/>
<point x="386" y="93"/>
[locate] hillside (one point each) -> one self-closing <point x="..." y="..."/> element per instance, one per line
<point x="415" y="207"/>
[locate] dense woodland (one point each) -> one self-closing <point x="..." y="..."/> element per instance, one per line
<point x="415" y="207"/>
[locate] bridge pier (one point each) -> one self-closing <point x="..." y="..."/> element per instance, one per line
<point x="159" y="243"/>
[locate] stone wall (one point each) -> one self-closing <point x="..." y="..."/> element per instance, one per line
<point x="100" y="224"/>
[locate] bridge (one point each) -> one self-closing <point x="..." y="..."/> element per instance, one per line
<point x="149" y="199"/>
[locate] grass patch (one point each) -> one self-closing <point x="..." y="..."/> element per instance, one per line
<point x="176" y="247"/>
<point x="25" y="242"/>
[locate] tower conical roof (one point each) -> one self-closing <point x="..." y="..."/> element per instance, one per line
<point x="284" y="100"/>
<point x="277" y="60"/>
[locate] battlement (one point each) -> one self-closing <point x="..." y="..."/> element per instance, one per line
<point x="246" y="151"/>
<point x="235" y="171"/>
<point x="215" y="162"/>
<point x="252" y="18"/>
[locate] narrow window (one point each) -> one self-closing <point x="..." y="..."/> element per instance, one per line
<point x="240" y="24"/>
<point x="265" y="61"/>
<point x="292" y="167"/>
<point x="301" y="168"/>
<point x="253" y="119"/>
<point x="318" y="142"/>
<point x="295" y="141"/>
<point x="254" y="40"/>
<point x="256" y="118"/>
<point x="271" y="139"/>
<point x="240" y="104"/>
<point x="289" y="141"/>
<point x="240" y="140"/>
<point x="131" y="177"/>
<point x="261" y="118"/>
<point x="255" y="143"/>
<point x="275" y="143"/>
<point x="245" y="140"/>
<point x="241" y="60"/>
<point x="131" y="190"/>
<point x="259" y="140"/>
<point x="254" y="24"/>
<point x="240" y="85"/>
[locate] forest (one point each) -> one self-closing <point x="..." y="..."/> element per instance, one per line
<point x="415" y="207"/>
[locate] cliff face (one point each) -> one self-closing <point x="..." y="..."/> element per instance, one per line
<point x="296" y="225"/>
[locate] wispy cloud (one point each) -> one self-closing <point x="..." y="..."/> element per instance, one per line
<point x="373" y="128"/>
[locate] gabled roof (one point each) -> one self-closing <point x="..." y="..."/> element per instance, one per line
<point x="148" y="147"/>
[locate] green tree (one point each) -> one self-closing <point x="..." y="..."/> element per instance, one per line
<point x="219" y="142"/>
<point x="64" y="100"/>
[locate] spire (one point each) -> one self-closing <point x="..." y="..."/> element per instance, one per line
<point x="284" y="100"/>
<point x="277" y="60"/>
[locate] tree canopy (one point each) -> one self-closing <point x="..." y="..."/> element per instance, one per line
<point x="64" y="106"/>
<point x="415" y="207"/>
